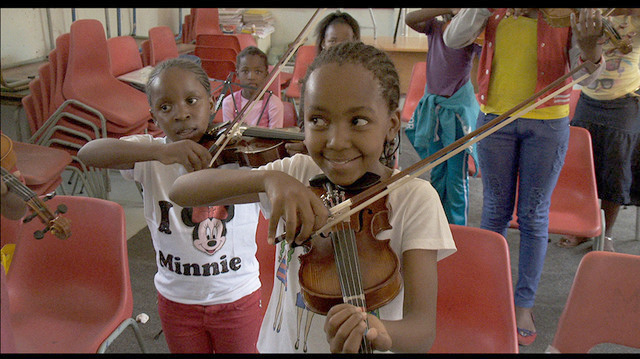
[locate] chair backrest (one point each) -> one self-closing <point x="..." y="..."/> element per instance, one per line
<point x="416" y="90"/>
<point x="216" y="53"/>
<point x="162" y="45"/>
<point x="475" y="312"/>
<point x="186" y="29"/>
<point x="145" y="52"/>
<point x="62" y="60"/>
<point x="36" y="95"/>
<point x="124" y="54"/>
<point x="246" y="40"/>
<point x="44" y="74"/>
<point x="290" y="115"/>
<point x="218" y="69"/>
<point x="30" y="111"/>
<point x="266" y="258"/>
<point x="218" y="40"/>
<point x="88" y="56"/>
<point x="304" y="58"/>
<point x="69" y="295"/>
<point x="53" y="67"/>
<point x="603" y="305"/>
<point x="574" y="206"/>
<point x="206" y="21"/>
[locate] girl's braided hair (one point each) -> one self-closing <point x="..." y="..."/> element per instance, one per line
<point x="181" y="63"/>
<point x="337" y="17"/>
<point x="371" y="58"/>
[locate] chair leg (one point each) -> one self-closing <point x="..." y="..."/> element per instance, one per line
<point x="136" y="330"/>
<point x="598" y="242"/>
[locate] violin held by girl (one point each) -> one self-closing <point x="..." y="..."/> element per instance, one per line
<point x="350" y="108"/>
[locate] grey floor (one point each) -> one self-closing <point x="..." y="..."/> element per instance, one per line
<point x="559" y="270"/>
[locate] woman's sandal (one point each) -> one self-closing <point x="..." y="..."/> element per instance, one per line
<point x="571" y="241"/>
<point x="527" y="337"/>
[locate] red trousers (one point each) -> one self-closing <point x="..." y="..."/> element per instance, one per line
<point x="221" y="328"/>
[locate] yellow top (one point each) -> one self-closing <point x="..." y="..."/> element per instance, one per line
<point x="514" y="69"/>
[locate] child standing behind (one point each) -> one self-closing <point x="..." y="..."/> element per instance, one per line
<point x="207" y="279"/>
<point x="252" y="71"/>
<point x="350" y="108"/>
<point x="446" y="112"/>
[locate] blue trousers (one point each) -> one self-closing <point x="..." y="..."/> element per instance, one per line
<point x="527" y="154"/>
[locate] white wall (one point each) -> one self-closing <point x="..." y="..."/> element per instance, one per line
<point x="25" y="34"/>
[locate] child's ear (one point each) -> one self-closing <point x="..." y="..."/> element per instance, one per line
<point x="395" y="123"/>
<point x="212" y="105"/>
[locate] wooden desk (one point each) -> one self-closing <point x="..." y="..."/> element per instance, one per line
<point x="404" y="53"/>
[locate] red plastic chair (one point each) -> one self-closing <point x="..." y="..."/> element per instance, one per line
<point x="266" y="255"/>
<point x="205" y="21"/>
<point x="290" y="115"/>
<point x="304" y="58"/>
<point x="218" y="40"/>
<point x="53" y="65"/>
<point x="145" y="52"/>
<point x="36" y="97"/>
<point x="162" y="45"/>
<point x="603" y="304"/>
<point x="216" y="53"/>
<point x="73" y="295"/>
<point x="246" y="40"/>
<point x="574" y="203"/>
<point x="44" y="75"/>
<point x="89" y="80"/>
<point x="124" y="54"/>
<point x="475" y="312"/>
<point x="416" y="90"/>
<point x="41" y="166"/>
<point x="218" y="69"/>
<point x="186" y="29"/>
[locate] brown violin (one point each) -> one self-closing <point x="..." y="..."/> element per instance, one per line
<point x="252" y="146"/>
<point x="561" y="17"/>
<point x="58" y="225"/>
<point x="353" y="266"/>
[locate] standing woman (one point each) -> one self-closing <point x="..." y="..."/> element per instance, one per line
<point x="521" y="55"/>
<point x="610" y="109"/>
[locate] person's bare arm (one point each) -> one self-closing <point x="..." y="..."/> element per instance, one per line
<point x="418" y="19"/>
<point x="290" y="199"/>
<point x="121" y="154"/>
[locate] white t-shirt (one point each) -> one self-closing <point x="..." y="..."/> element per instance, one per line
<point x="205" y="255"/>
<point x="418" y="222"/>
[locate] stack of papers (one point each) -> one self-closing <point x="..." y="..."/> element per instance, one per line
<point x="258" y="22"/>
<point x="230" y="19"/>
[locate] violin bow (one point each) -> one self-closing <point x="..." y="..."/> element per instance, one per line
<point x="234" y="128"/>
<point x="345" y="209"/>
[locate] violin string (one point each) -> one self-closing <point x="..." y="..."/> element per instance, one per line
<point x="345" y="247"/>
<point x="18" y="187"/>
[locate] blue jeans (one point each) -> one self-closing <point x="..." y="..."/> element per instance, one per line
<point x="532" y="152"/>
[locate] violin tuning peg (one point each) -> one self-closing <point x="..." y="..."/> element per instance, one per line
<point x="29" y="218"/>
<point x="40" y="234"/>
<point x="49" y="196"/>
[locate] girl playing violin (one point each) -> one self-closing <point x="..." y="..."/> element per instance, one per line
<point x="350" y="108"/>
<point x="207" y="279"/>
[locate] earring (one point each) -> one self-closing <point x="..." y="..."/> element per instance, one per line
<point x="388" y="157"/>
